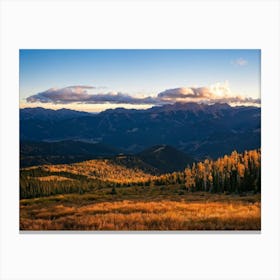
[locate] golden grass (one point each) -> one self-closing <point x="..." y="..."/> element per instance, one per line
<point x="101" y="169"/>
<point x="144" y="215"/>
<point x="52" y="178"/>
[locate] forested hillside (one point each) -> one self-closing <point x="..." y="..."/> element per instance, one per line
<point x="234" y="173"/>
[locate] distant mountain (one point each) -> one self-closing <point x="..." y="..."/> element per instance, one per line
<point x="199" y="130"/>
<point x="36" y="153"/>
<point x="39" y="113"/>
<point x="192" y="107"/>
<point x="165" y="158"/>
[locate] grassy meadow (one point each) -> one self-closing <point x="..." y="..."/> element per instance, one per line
<point x="137" y="208"/>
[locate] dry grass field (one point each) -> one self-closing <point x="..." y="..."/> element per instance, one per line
<point x="191" y="211"/>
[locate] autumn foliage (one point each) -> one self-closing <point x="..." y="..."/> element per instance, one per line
<point x="234" y="173"/>
<point x="211" y="213"/>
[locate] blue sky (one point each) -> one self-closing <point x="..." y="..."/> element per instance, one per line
<point x="134" y="74"/>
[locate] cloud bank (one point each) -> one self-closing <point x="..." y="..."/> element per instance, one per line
<point x="80" y="94"/>
<point x="63" y="95"/>
<point x="217" y="93"/>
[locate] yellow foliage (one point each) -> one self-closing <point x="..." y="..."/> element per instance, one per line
<point x="52" y="178"/>
<point x="141" y="215"/>
<point x="102" y="169"/>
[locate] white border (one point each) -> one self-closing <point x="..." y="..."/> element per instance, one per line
<point x="124" y="24"/>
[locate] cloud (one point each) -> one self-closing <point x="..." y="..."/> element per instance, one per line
<point x="199" y="93"/>
<point x="63" y="95"/>
<point x="120" y="98"/>
<point x="240" y="62"/>
<point x="80" y="94"/>
<point x="238" y="100"/>
<point x="217" y="93"/>
<point x="184" y="92"/>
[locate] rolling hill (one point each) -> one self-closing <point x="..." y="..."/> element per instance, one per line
<point x="165" y="158"/>
<point x="155" y="160"/>
<point x="36" y="153"/>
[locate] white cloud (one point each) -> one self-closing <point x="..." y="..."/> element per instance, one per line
<point x="240" y="62"/>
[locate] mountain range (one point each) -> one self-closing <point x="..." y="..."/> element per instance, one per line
<point x="198" y="131"/>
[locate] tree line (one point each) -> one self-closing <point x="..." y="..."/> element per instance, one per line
<point x="234" y="173"/>
<point x="238" y="172"/>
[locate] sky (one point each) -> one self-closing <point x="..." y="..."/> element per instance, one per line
<point x="95" y="80"/>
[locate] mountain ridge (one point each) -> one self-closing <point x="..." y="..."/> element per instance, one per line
<point x="199" y="130"/>
<point x="50" y="114"/>
<point x="172" y="107"/>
